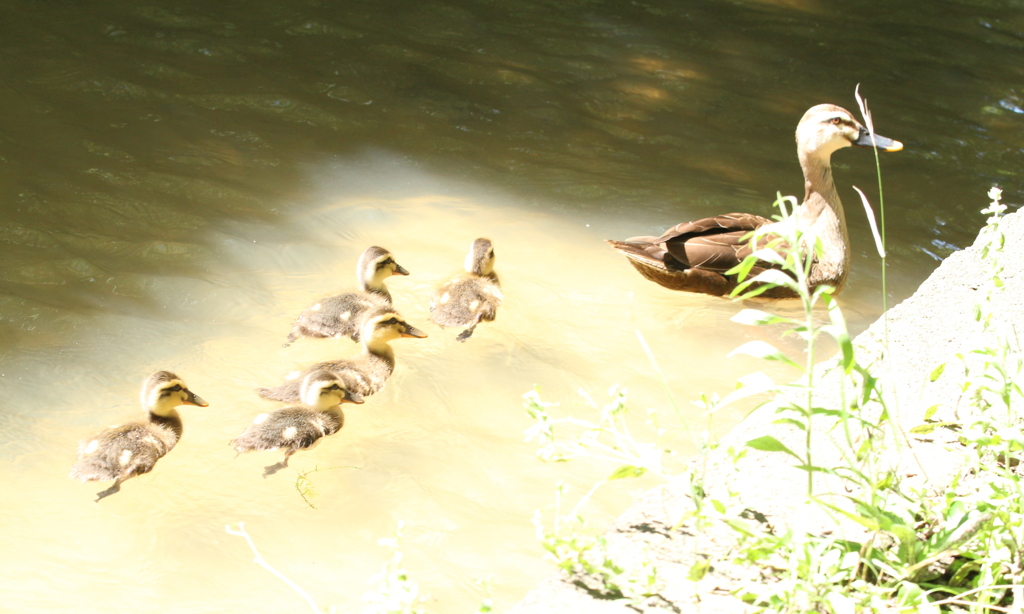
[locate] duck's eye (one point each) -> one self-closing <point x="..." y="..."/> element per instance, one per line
<point x="384" y="263"/>
<point x="166" y="392"/>
<point x="390" y="322"/>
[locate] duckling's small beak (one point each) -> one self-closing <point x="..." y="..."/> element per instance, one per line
<point x="400" y="270"/>
<point x="353" y="397"/>
<point x="884" y="143"/>
<point x="194" y="399"/>
<point x="412" y="331"/>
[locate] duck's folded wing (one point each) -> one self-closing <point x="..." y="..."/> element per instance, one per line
<point x="714" y="243"/>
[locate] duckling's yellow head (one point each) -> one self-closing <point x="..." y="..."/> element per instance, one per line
<point x="163" y="391"/>
<point x="480" y="259"/>
<point x="387" y="326"/>
<point x="324" y="389"/>
<point x="377" y="264"/>
<point x="826" y="128"/>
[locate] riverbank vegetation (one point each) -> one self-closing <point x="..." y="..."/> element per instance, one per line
<point x="954" y="544"/>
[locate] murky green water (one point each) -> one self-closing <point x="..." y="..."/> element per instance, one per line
<point x="178" y="180"/>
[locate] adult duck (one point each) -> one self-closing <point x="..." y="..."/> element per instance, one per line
<point x="695" y="256"/>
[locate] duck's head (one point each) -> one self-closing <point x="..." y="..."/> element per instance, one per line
<point x="826" y="128"/>
<point x="163" y="391"/>
<point x="480" y="259"/>
<point x="324" y="389"/>
<point x="384" y="326"/>
<point x="377" y="264"/>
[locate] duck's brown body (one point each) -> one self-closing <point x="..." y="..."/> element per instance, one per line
<point x="695" y="256"/>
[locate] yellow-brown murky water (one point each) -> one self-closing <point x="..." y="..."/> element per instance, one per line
<point x="440" y="449"/>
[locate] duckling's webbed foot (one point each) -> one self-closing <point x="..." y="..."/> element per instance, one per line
<point x="115" y="488"/>
<point x="466" y="334"/>
<point x="272" y="469"/>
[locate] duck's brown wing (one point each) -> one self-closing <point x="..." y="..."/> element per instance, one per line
<point x="693" y="256"/>
<point x="714" y="243"/>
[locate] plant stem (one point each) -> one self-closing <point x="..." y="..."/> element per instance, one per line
<point x="259" y="560"/>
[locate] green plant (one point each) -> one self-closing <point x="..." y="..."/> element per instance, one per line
<point x="584" y="555"/>
<point x="958" y="549"/>
<point x="396" y="592"/>
<point x="305" y="487"/>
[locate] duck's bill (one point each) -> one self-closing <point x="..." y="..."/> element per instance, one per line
<point x="882" y="142"/>
<point x="194" y="399"/>
<point x="412" y="331"/>
<point x="400" y="270"/>
<point x="353" y="397"/>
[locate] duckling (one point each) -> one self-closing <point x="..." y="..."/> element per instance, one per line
<point x="342" y="315"/>
<point x="695" y="256"/>
<point x="470" y="297"/>
<point x="133" y="448"/>
<point x="299" y="428"/>
<point x="365" y="374"/>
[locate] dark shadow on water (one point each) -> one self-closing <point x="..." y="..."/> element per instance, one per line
<point x="131" y="134"/>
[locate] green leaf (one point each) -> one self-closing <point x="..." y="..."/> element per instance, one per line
<point x="742" y="269"/>
<point x="756" y="317"/>
<point x="763" y="350"/>
<point x="824" y="411"/>
<point x="742" y="291"/>
<point x="864" y="521"/>
<point x="748" y="385"/>
<point x="840" y="333"/>
<point x="814" y="469"/>
<point x="768" y="443"/>
<point x="699" y="570"/>
<point x="767" y="254"/>
<point x="923" y="429"/>
<point x="937" y="372"/>
<point x="776" y="278"/>
<point x="627" y="471"/>
<point x="793" y="422"/>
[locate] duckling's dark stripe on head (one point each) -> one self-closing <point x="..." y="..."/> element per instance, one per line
<point x="166" y="392"/>
<point x="384" y="263"/>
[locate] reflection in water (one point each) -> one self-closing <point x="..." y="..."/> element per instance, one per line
<point x="178" y="181"/>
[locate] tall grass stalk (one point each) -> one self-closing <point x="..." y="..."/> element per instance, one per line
<point x="869" y="122"/>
